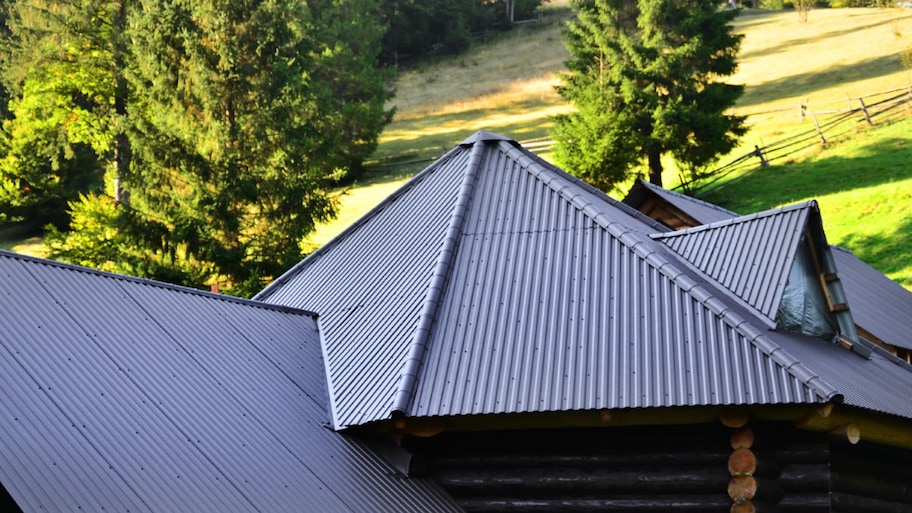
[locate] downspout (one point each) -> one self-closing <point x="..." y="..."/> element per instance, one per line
<point x="408" y="379"/>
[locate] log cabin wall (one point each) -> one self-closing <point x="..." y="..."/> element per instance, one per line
<point x="870" y="478"/>
<point x="700" y="468"/>
<point x="681" y="468"/>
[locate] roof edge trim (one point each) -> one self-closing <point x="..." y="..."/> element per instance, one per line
<point x="408" y="379"/>
<point x="155" y="283"/>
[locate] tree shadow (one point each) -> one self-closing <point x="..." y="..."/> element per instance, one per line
<point x="818" y="177"/>
<point x="811" y="81"/>
<point x="790" y="43"/>
<point x="888" y="250"/>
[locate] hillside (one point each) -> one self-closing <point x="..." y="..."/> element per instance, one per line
<point x="838" y="53"/>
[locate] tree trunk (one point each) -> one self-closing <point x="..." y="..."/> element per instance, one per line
<point x="122" y="152"/>
<point x="655" y="167"/>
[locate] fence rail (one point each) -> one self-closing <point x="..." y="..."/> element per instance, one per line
<point x="829" y="123"/>
<point x="830" y="120"/>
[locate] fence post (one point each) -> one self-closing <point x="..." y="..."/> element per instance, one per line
<point x="759" y="153"/>
<point x="864" y="109"/>
<point x="819" y="131"/>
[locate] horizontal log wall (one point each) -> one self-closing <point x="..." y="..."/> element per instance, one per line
<point x="650" y="469"/>
<point x="871" y="478"/>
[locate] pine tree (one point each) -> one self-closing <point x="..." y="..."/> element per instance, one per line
<point x="644" y="77"/>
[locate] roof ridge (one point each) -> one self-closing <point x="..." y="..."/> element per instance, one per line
<point x="809" y="204"/>
<point x="370" y="214"/>
<point x="408" y="378"/>
<point x="654" y="254"/>
<point x="661" y="190"/>
<point x="154" y="283"/>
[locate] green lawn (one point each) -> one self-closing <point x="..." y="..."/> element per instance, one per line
<point x="863" y="186"/>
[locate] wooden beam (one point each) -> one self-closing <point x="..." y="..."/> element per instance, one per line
<point x="849" y="432"/>
<point x="872" y="426"/>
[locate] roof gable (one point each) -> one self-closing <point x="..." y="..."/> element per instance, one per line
<point x="134" y="395"/>
<point x="749" y="256"/>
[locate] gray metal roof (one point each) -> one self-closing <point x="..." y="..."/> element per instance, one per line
<point x="494" y="282"/>
<point x="701" y="211"/>
<point x="749" y="256"/>
<point x="879" y="305"/>
<point x="129" y="395"/>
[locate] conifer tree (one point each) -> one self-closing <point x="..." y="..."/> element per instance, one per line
<point x="645" y="78"/>
<point x="236" y="130"/>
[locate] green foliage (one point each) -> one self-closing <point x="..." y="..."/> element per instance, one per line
<point x="221" y="123"/>
<point x="420" y="28"/>
<point x="58" y="63"/>
<point x="236" y="126"/>
<point x="102" y="235"/>
<point x="352" y="86"/>
<point x="644" y="78"/>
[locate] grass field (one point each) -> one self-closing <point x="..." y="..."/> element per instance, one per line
<point x="507" y="86"/>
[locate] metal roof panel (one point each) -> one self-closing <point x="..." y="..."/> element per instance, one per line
<point x="122" y="393"/>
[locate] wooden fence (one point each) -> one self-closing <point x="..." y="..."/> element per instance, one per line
<point x="821" y="122"/>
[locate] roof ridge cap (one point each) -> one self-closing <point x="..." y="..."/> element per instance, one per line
<point x="550" y="174"/>
<point x="408" y="378"/>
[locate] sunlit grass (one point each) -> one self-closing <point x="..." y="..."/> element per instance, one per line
<point x="863" y="186"/>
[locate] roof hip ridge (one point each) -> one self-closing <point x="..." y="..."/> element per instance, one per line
<point x="655" y="254"/>
<point x="408" y="378"/>
<point x="809" y="204"/>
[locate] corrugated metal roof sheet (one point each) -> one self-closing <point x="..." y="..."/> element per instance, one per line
<point x="881" y="384"/>
<point x="554" y="298"/>
<point x="701" y="211"/>
<point x="749" y="256"/>
<point x="879" y="305"/>
<point x="129" y="395"/>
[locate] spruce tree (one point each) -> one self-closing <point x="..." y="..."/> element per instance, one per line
<point x="236" y="128"/>
<point x="645" y="78"/>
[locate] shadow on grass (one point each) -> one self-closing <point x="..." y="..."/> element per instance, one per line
<point x="790" y="44"/>
<point x="877" y="163"/>
<point x="806" y="83"/>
